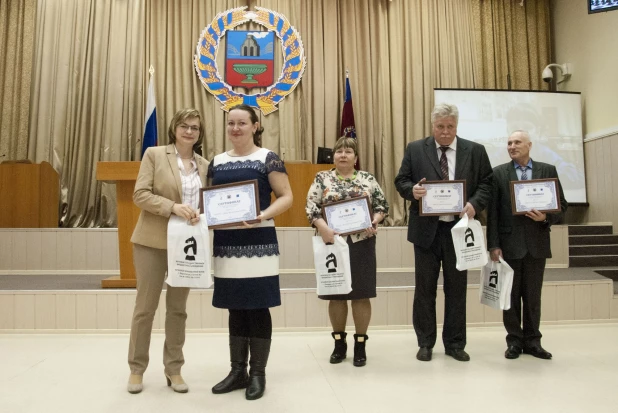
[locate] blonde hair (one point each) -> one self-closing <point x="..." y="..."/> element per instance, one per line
<point x="181" y="116"/>
<point x="346" y="142"/>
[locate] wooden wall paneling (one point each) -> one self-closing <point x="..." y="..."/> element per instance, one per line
<point x="45" y="311"/>
<point x="548" y="303"/>
<point x="66" y="308"/>
<point x="6" y="249"/>
<point x="7" y="311"/>
<point x="34" y="247"/>
<point x="24" y="312"/>
<point x="19" y="250"/>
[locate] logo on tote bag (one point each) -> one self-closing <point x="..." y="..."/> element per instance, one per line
<point x="331" y="260"/>
<point x="469" y="234"/>
<point x="493" y="279"/>
<point x="192" y="246"/>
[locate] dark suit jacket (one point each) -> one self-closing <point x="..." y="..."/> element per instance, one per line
<point x="421" y="161"/>
<point x="517" y="235"/>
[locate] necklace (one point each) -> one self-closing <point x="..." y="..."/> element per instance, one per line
<point x="347" y="179"/>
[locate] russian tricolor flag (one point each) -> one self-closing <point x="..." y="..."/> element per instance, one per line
<point x="150" y="123"/>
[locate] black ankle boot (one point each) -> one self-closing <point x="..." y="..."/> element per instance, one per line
<point x="237" y="378"/>
<point x="341" y="347"/>
<point x="260" y="349"/>
<point x="360" y="358"/>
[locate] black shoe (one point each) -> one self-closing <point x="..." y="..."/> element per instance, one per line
<point x="538" y="352"/>
<point x="458" y="354"/>
<point x="238" y="377"/>
<point x="259" y="349"/>
<point x="512" y="352"/>
<point x="424" y="354"/>
<point x="360" y="357"/>
<point x="341" y="347"/>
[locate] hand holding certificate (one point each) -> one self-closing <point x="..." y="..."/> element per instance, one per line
<point x="230" y="204"/>
<point x="350" y="216"/>
<point x="443" y="198"/>
<point x="540" y="194"/>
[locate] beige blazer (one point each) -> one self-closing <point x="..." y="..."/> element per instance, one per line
<point x="157" y="189"/>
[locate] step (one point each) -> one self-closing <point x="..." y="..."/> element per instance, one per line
<point x="592" y="250"/>
<point x="593" y="239"/>
<point x="590" y="229"/>
<point x="613" y="274"/>
<point x="593" y="261"/>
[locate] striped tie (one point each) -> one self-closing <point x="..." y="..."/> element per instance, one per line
<point x="524" y="176"/>
<point x="444" y="163"/>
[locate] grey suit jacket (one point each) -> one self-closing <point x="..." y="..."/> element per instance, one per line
<point x="421" y="161"/>
<point x="518" y="235"/>
<point x="157" y="189"/>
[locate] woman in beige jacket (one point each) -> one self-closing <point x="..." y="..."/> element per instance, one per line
<point x="169" y="182"/>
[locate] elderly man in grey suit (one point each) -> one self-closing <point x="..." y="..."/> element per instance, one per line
<point x="443" y="156"/>
<point x="523" y="242"/>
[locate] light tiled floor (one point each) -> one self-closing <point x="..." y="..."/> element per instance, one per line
<point x="87" y="373"/>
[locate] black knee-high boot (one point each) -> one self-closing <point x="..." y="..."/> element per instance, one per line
<point x="341" y="347"/>
<point x="237" y="378"/>
<point x="360" y="357"/>
<point x="260" y="349"/>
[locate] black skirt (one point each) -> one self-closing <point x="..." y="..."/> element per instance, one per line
<point x="363" y="263"/>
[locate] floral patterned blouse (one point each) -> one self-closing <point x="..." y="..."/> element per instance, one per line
<point x="328" y="187"/>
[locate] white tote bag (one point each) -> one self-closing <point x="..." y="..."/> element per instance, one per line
<point x="188" y="253"/>
<point x="332" y="266"/>
<point x="496" y="285"/>
<point x="469" y="243"/>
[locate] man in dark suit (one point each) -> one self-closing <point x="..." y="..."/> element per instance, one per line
<point x="523" y="242"/>
<point x="443" y="156"/>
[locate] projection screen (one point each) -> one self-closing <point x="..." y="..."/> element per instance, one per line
<point x="553" y="120"/>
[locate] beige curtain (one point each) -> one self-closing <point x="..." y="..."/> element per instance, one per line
<point x="17" y="20"/>
<point x="415" y="46"/>
<point x="513" y="40"/>
<point x="87" y="100"/>
<point x="92" y="59"/>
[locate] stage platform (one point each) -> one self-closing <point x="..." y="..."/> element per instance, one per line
<point x="50" y="281"/>
<point x="77" y="303"/>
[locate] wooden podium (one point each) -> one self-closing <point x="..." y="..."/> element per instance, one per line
<point x="30" y="195"/>
<point x="124" y="175"/>
<point x="301" y="176"/>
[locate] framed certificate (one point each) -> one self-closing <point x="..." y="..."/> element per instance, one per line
<point x="230" y="205"/>
<point x="349" y="216"/>
<point x="443" y="198"/>
<point x="540" y="194"/>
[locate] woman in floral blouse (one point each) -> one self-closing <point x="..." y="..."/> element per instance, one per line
<point x="340" y="183"/>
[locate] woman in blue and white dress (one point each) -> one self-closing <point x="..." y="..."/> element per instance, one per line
<point x="246" y="258"/>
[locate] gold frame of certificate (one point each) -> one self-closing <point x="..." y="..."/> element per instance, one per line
<point x="438" y="200"/>
<point x="540" y="194"/>
<point x="229" y="205"/>
<point x="343" y="216"/>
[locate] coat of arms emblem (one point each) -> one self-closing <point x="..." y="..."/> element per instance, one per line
<point x="250" y="58"/>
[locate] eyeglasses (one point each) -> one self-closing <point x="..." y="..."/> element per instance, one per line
<point x="189" y="128"/>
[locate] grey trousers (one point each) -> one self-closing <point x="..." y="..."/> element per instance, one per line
<point x="150" y="267"/>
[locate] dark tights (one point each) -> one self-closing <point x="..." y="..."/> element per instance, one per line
<point x="251" y="323"/>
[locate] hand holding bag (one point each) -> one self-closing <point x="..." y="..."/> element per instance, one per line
<point x="332" y="266"/>
<point x="469" y="243"/>
<point x="188" y="253"/>
<point x="496" y="284"/>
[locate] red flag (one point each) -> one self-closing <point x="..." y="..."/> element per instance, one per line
<point x="348" y="127"/>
